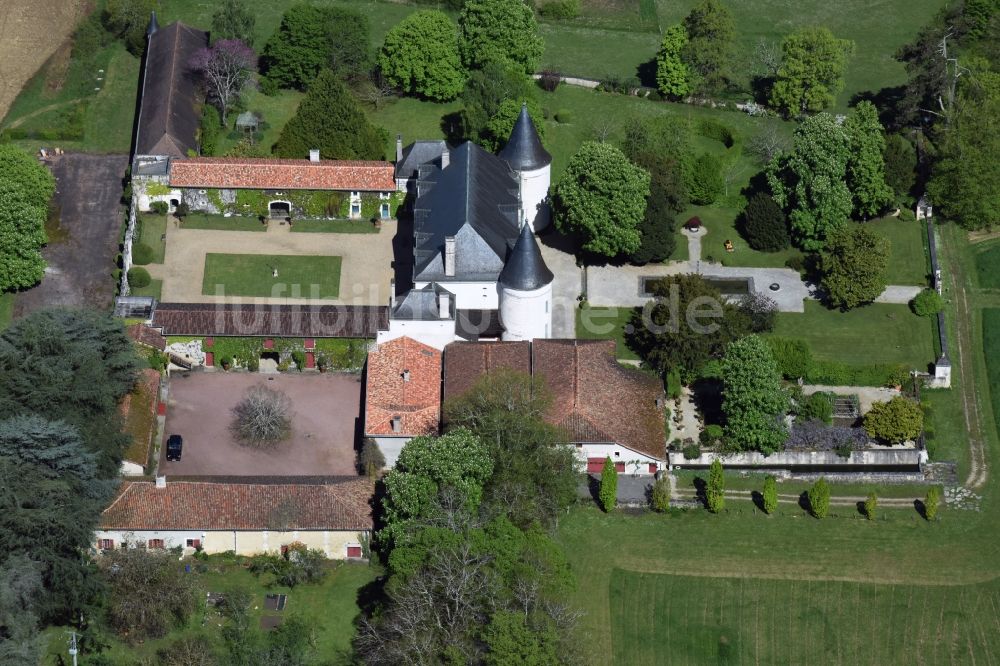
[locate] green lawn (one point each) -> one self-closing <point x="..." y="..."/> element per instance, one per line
<point x="154" y="289"/>
<point x="6" y="309"/>
<point x="605" y="324"/>
<point x="276" y="111"/>
<point x="330" y="607"/>
<point x="154" y="229"/>
<point x="221" y="222"/>
<point x="988" y="265"/>
<point x="698" y="620"/>
<point x="251" y="275"/>
<point x="335" y="227"/>
<point x="908" y="260"/>
<point x="720" y="226"/>
<point x="991" y="349"/>
<point x="876" y="333"/>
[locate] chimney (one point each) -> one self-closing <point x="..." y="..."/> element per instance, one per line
<point x="406" y="375"/>
<point x="392" y="293"/>
<point x="444" y="306"/>
<point x="399" y="148"/>
<point x="449" y="256"/>
<point x="314" y="155"/>
<point x="397" y="424"/>
<point x="161" y="482"/>
<point x="445" y="157"/>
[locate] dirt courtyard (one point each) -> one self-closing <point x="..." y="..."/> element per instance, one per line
<point x="326" y="410"/>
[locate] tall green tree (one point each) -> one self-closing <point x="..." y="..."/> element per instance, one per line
<point x="420" y="55"/>
<point x="672" y="76"/>
<point x="896" y="421"/>
<point x="502" y="31"/>
<point x="710" y="29"/>
<point x="715" y="491"/>
<point x="809" y="182"/>
<point x="812" y="69"/>
<point x="706" y="185"/>
<point x="866" y="164"/>
<point x="499" y="126"/>
<point x="233" y="20"/>
<point x="854" y="266"/>
<point x="900" y="167"/>
<point x="128" y="20"/>
<point x="753" y="399"/>
<point x="329" y="118"/>
<point x="25" y="190"/>
<point x="819" y="498"/>
<point x="871" y="505"/>
<point x="608" y="494"/>
<point x="21" y="644"/>
<point x="764" y="224"/>
<point x="601" y="199"/>
<point x="512" y="641"/>
<point x="770" y="495"/>
<point x="932" y="501"/>
<point x="485" y="91"/>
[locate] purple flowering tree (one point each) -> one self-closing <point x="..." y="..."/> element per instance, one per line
<point x="225" y="68"/>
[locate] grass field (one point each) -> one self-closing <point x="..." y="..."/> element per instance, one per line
<point x="154" y="289"/>
<point x="154" y="229"/>
<point x="908" y="259"/>
<point x="988" y="266"/>
<point x="876" y="333"/>
<point x="330" y="607"/>
<point x="605" y="324"/>
<point x="251" y="275"/>
<point x="276" y="111"/>
<point x="991" y="350"/>
<point x="660" y="618"/>
<point x="221" y="222"/>
<point x="335" y="227"/>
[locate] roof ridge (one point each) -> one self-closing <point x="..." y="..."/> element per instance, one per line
<point x="173" y="67"/>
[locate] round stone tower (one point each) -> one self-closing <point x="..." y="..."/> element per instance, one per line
<point x="527" y="157"/>
<point x="525" y="291"/>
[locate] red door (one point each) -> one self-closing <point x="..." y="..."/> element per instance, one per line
<point x="652" y="468"/>
<point x="595" y="465"/>
<point x="619" y="467"/>
<point x="354" y="551"/>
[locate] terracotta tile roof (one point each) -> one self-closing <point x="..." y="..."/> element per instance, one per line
<point x="466" y="362"/>
<point x="294" y="321"/>
<point x="342" y="503"/>
<point x="597" y="400"/>
<point x="282" y="174"/>
<point x="404" y="380"/>
<point x="147" y="336"/>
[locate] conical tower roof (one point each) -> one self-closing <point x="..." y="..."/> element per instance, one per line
<point x="524" y="150"/>
<point x="525" y="269"/>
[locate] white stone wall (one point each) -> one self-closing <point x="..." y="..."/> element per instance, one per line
<point x="333" y="543"/>
<point x="526" y="315"/>
<point x="534" y="193"/>
<point x="471" y="295"/>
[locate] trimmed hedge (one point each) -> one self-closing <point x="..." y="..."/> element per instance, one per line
<point x="142" y="254"/>
<point x="794" y="359"/>
<point x="138" y="277"/>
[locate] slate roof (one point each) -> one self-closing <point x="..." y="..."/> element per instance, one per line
<point x="524" y="150"/>
<point x="168" y="112"/>
<point x="282" y="174"/>
<point x="146" y="335"/>
<point x="466" y="362"/>
<point x="525" y="269"/>
<point x="298" y="321"/>
<point x="423" y="304"/>
<point x="475" y="200"/>
<point x="341" y="503"/>
<point x="404" y="380"/>
<point x="594" y="399"/>
<point x="475" y="324"/>
<point x="597" y="400"/>
<point x="418" y="154"/>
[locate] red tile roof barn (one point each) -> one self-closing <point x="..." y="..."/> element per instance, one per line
<point x="466" y="362"/>
<point x="404" y="380"/>
<point x="282" y="174"/>
<point x="340" y="504"/>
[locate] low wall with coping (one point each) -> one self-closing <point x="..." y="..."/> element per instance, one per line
<point x="869" y="458"/>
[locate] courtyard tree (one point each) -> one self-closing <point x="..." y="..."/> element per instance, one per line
<point x="25" y="190"/>
<point x="866" y="164"/>
<point x="659" y="223"/>
<point x="601" y="199"/>
<point x="896" y="421"/>
<point x="225" y="68"/>
<point x="900" y="167"/>
<point x="819" y="498"/>
<point x="263" y="417"/>
<point x="329" y="119"/>
<point x="715" y="491"/>
<point x="809" y="182"/>
<point x="854" y="266"/>
<point x="811" y="72"/>
<point x="710" y="29"/>
<point x="932" y="501"/>
<point x="871" y="505"/>
<point x="233" y="20"/>
<point x="608" y="494"/>
<point x="672" y="76"/>
<point x="753" y="399"/>
<point x="420" y="55"/>
<point x="501" y="31"/>
<point x="770" y="495"/>
<point x="764" y="224"/>
<point x="927" y="303"/>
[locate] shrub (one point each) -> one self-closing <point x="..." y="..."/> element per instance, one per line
<point x="692" y="451"/>
<point x="931" y="502"/>
<point x="927" y="303"/>
<point x="299" y="357"/>
<point x="209" y="130"/>
<point x="263" y="417"/>
<point x="608" y="494"/>
<point x="711" y="434"/>
<point x="713" y="129"/>
<point x="705" y="184"/>
<point x="715" y="493"/>
<point x="819" y="498"/>
<point x="870" y="505"/>
<point x="907" y="214"/>
<point x="564" y="116"/>
<point x="659" y="496"/>
<point x="370" y="459"/>
<point x="895" y="421"/>
<point x="560" y="9"/>
<point x="138" y="277"/>
<point x="549" y="80"/>
<point x="796" y="263"/>
<point x="818" y="407"/>
<point x="182" y="210"/>
<point x="159" y="207"/>
<point x="764" y="224"/>
<point x="793" y="356"/>
<point x="142" y="254"/>
<point x="674" y="383"/>
<point x="770" y="495"/>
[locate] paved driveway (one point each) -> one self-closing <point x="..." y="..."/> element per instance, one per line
<point x="566" y="284"/>
<point x="81" y="254"/>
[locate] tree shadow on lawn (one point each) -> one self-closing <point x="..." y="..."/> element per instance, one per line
<point x="701" y="490"/>
<point x="758" y="500"/>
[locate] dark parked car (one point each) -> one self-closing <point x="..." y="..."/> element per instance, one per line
<point x="174" y="445"/>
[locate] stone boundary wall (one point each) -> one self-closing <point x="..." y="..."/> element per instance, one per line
<point x="123" y="287"/>
<point x="792" y="459"/>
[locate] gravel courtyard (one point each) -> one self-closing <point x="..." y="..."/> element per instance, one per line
<point x="326" y="411"/>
